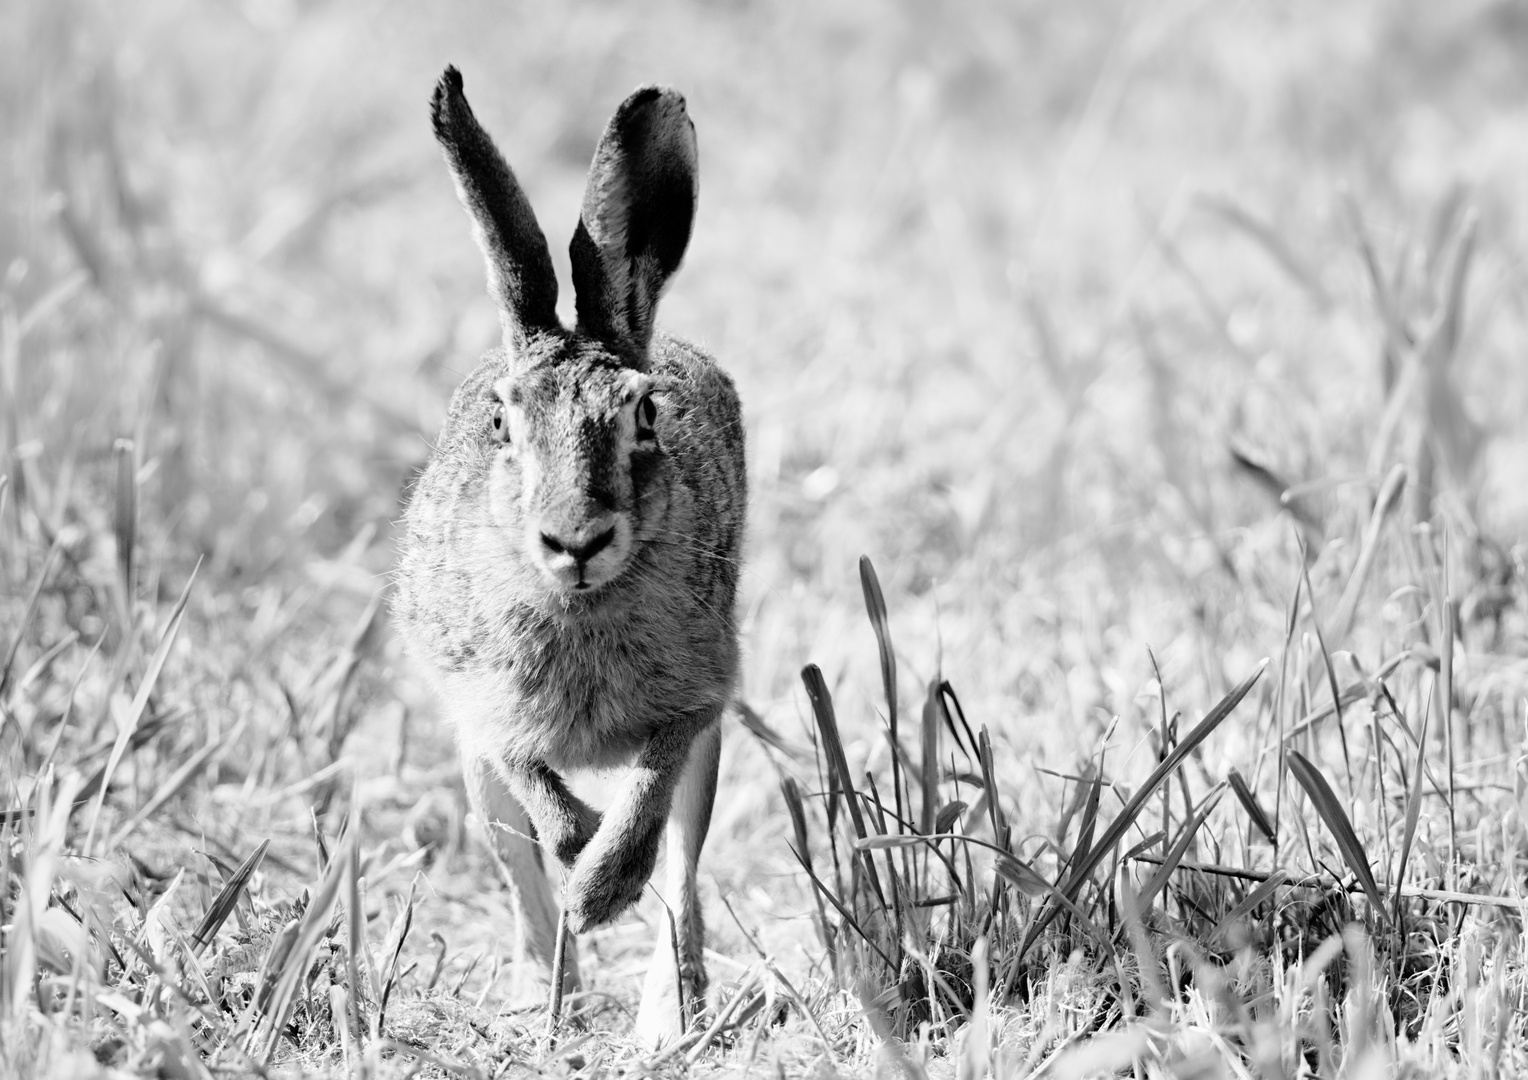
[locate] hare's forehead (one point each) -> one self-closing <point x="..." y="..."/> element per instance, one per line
<point x="573" y="388"/>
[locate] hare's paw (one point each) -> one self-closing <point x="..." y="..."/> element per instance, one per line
<point x="568" y="832"/>
<point x="607" y="879"/>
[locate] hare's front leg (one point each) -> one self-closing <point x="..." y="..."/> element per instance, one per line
<point x="611" y="873"/>
<point x="510" y="835"/>
<point x="564" y="823"/>
<point x="660" y="1018"/>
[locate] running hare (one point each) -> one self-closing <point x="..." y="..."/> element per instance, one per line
<point x="572" y="551"/>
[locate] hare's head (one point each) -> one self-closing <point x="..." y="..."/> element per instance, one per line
<point x="571" y="418"/>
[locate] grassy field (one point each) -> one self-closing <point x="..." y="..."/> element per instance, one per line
<point x="1165" y="361"/>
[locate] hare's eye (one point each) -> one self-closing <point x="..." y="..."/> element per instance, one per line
<point x="647" y="415"/>
<point x="500" y="423"/>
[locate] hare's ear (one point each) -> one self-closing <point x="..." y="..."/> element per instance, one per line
<point x="520" y="274"/>
<point x="636" y="218"/>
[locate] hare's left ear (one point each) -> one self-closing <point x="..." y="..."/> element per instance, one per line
<point x="635" y="224"/>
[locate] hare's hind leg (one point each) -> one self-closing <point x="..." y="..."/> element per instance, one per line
<point x="510" y="836"/>
<point x="659" y="1019"/>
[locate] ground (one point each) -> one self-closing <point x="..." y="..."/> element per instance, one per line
<point x="1133" y="344"/>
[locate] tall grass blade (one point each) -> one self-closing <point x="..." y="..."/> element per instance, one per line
<point x="355" y="937"/>
<point x="797" y="811"/>
<point x="1331" y="677"/>
<point x="952" y="712"/>
<point x="1347" y="607"/>
<point x="1442" y="345"/>
<point x="990" y="787"/>
<point x="760" y="729"/>
<point x="125" y="529"/>
<point x="948" y="815"/>
<point x="875" y="607"/>
<point x="1324" y="799"/>
<point x="1086" y="794"/>
<point x="1089" y="821"/>
<point x="1397" y="337"/>
<point x="310" y="930"/>
<point x="1413" y="805"/>
<point x="1263" y="892"/>
<point x="1174" y="856"/>
<point x="140" y="702"/>
<point x="29" y="613"/>
<point x="227" y="899"/>
<point x="1445" y="685"/>
<point x="928" y="756"/>
<point x="1267" y="237"/>
<point x="1126" y="817"/>
<point x="1021" y="875"/>
<point x="1248" y="798"/>
<point x="904" y="841"/>
<point x="397" y="936"/>
<point x="843" y="912"/>
<point x="182" y="776"/>
<point x="838" y="763"/>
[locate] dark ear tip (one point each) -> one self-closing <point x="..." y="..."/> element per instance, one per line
<point x="448" y="90"/>
<point x="652" y="97"/>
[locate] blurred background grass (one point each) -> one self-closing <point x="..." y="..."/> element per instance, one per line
<point x="1002" y="285"/>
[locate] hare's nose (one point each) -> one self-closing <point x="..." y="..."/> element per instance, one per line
<point x="581" y="553"/>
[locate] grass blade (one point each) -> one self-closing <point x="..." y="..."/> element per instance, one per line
<point x="29" y="613"/>
<point x="838" y="762"/>
<point x="1261" y="893"/>
<point x="948" y="815"/>
<point x="1331" y="674"/>
<point x="1324" y="799"/>
<point x="227" y="899"/>
<point x="928" y="756"/>
<point x="1174" y="856"/>
<point x="292" y="968"/>
<point x="1089" y="822"/>
<point x="140" y="702"/>
<point x="989" y="783"/>
<point x="843" y="912"/>
<point x="760" y="729"/>
<point x="181" y="777"/>
<point x="1413" y="804"/>
<point x="1347" y="606"/>
<point x="1248" y="798"/>
<point x="875" y="607"/>
<point x="125" y="529"/>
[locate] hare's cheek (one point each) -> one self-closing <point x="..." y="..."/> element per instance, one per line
<point x="651" y="511"/>
<point x="507" y="493"/>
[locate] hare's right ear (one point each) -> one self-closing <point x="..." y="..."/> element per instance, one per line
<point x="520" y="274"/>
<point x="638" y="208"/>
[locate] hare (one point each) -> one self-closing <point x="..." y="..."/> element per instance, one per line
<point x="571" y="558"/>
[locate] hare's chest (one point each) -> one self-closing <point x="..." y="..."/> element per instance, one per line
<point x="580" y="704"/>
<point x="580" y="698"/>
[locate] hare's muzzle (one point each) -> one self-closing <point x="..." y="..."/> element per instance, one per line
<point x="580" y="555"/>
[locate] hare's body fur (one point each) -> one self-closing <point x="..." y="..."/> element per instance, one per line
<point x="570" y="567"/>
<point x="580" y="681"/>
